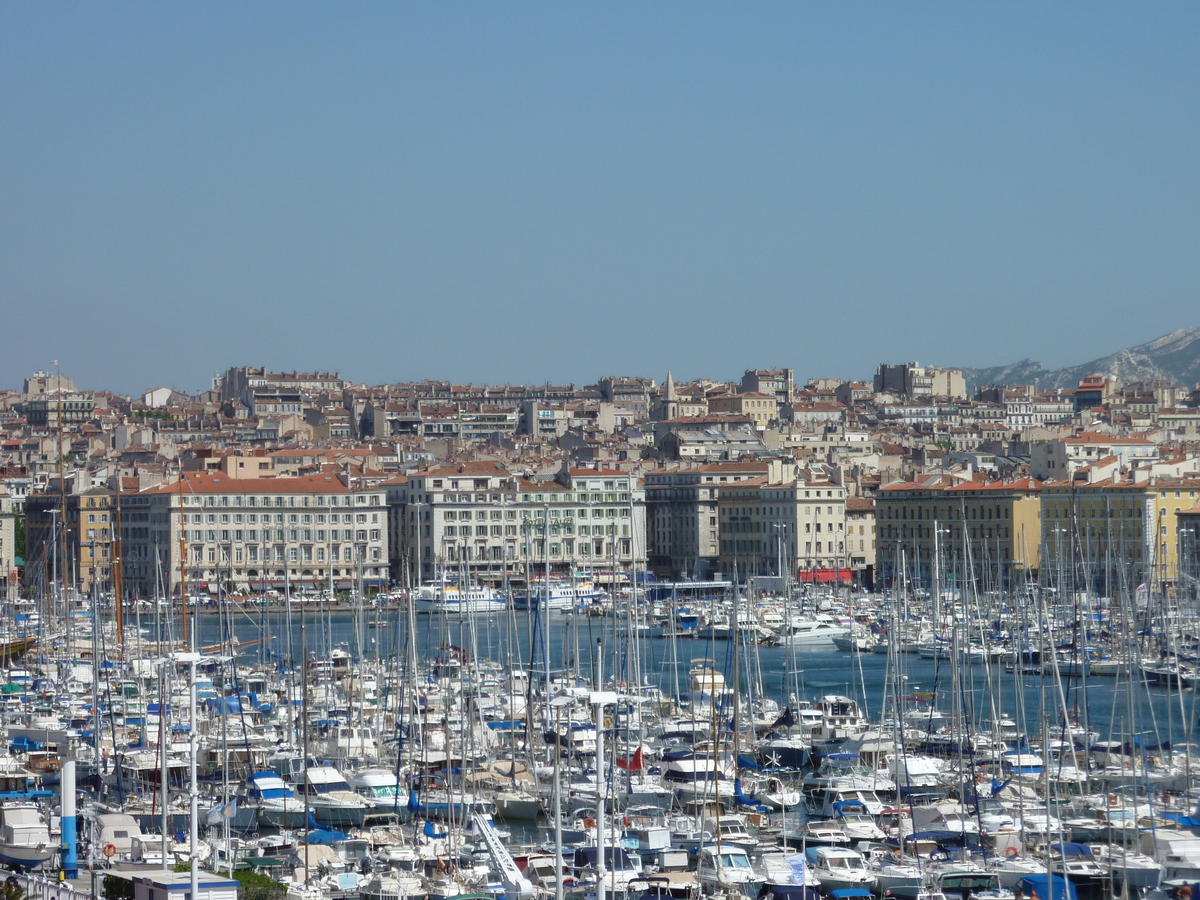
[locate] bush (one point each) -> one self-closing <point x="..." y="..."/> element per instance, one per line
<point x="256" y="886"/>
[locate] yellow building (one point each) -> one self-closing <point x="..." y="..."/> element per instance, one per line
<point x="771" y="525"/>
<point x="988" y="527"/>
<point x="1120" y="533"/>
<point x="762" y="409"/>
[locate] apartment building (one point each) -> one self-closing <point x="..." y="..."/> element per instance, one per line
<point x="761" y="409"/>
<point x="770" y="525"/>
<point x="83" y="553"/>
<point x="74" y="408"/>
<point x="1023" y="411"/>
<point x="779" y="383"/>
<point x="1060" y="459"/>
<point x="860" y="539"/>
<point x="912" y="380"/>
<point x="255" y="533"/>
<point x="682" y="516"/>
<point x="983" y="528"/>
<point x="481" y="520"/>
<point x="8" y="548"/>
<point x="1119" y="532"/>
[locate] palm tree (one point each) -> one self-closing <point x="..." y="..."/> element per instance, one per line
<point x="12" y="889"/>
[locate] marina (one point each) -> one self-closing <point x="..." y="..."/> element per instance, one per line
<point x="711" y="738"/>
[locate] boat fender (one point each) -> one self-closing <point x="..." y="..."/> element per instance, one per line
<point x="1011" y="851"/>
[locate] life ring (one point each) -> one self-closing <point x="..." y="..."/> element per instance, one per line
<point x="626" y="822"/>
<point x="1011" y="851"/>
<point x="608" y="721"/>
<point x="589" y="823"/>
<point x="110" y="850"/>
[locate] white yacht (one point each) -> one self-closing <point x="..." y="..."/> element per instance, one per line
<point x="330" y="798"/>
<point x="698" y="779"/>
<point x="842" y="725"/>
<point x="278" y="806"/>
<point x="728" y="868"/>
<point x="449" y="595"/>
<point x="380" y="788"/>
<point x="839" y="868"/>
<point x="821" y="628"/>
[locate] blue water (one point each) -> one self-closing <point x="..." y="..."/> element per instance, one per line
<point x="773" y="672"/>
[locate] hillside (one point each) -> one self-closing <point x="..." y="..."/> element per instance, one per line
<point x="1172" y="357"/>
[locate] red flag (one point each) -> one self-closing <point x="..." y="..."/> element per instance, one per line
<point x="636" y="764"/>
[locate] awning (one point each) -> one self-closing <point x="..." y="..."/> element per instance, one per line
<point x="825" y="576"/>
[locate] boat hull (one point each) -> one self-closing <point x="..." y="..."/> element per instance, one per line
<point x="18" y="857"/>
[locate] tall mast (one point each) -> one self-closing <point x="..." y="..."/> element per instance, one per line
<point x="62" y="511"/>
<point x="117" y="565"/>
<point x="183" y="597"/>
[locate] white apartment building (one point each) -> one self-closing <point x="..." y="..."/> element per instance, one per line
<point x="1027" y="412"/>
<point x="254" y="533"/>
<point x="479" y="519"/>
<point x="1057" y="460"/>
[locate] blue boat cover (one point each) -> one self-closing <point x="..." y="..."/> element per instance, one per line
<point x="325" y="836"/>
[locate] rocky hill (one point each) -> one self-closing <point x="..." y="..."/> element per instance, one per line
<point x="1172" y="357"/>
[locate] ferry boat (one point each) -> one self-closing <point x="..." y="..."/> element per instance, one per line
<point x="448" y="595"/>
<point x="558" y="594"/>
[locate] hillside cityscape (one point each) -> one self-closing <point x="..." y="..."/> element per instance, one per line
<point x="1023" y="472"/>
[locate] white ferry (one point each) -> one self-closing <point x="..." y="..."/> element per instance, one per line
<point x="559" y="594"/>
<point x="450" y="596"/>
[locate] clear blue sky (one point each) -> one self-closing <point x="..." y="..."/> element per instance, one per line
<point x="520" y="192"/>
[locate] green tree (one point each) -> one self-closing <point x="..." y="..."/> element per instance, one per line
<point x="256" y="886"/>
<point x="12" y="890"/>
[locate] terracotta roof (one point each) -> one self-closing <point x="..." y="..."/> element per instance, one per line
<point x="220" y="483"/>
<point x="1092" y="437"/>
